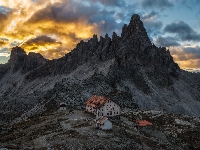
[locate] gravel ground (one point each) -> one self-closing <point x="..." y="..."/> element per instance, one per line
<point x="64" y="130"/>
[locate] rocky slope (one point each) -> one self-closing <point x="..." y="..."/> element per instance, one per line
<point x="126" y="68"/>
<point x="64" y="130"/>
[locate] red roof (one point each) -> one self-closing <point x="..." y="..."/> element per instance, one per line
<point x="143" y="123"/>
<point x="96" y="101"/>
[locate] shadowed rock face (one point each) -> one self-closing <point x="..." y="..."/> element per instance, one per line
<point x="20" y="60"/>
<point x="132" y="52"/>
<point x="17" y="58"/>
<point x="32" y="61"/>
<point x="3" y="70"/>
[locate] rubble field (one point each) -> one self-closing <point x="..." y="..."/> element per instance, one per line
<point x="77" y="130"/>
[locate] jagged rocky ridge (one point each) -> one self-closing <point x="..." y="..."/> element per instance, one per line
<point x="128" y="69"/>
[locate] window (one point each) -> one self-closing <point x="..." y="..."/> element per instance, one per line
<point x="108" y="114"/>
<point x="117" y="112"/>
<point x="102" y="114"/>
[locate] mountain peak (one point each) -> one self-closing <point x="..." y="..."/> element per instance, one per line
<point x="17" y="50"/>
<point x="17" y="58"/>
<point x="135" y="17"/>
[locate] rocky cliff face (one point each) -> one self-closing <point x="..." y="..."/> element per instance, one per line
<point x="128" y="69"/>
<point x="132" y="52"/>
<point x="32" y="61"/>
<point x="20" y="60"/>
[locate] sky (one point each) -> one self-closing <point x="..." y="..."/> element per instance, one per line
<point x="54" y="27"/>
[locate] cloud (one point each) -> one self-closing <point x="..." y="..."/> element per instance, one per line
<point x="4" y="54"/>
<point x="3" y="17"/>
<point x="192" y="52"/>
<point x="5" y="10"/>
<point x="197" y="70"/>
<point x="3" y="42"/>
<point x="41" y="41"/>
<point x="183" y="30"/>
<point x="44" y="45"/>
<point x="156" y="3"/>
<point x="66" y="21"/>
<point x="190" y="4"/>
<point x="151" y="16"/>
<point x="186" y="57"/>
<point x="152" y="26"/>
<point x="166" y="41"/>
<point x="42" y="25"/>
<point x="186" y="53"/>
<point x="110" y="2"/>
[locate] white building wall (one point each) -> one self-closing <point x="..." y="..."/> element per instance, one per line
<point x="62" y="108"/>
<point x="107" y="125"/>
<point x="109" y="109"/>
<point x="90" y="109"/>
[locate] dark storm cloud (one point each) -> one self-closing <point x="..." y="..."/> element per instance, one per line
<point x="41" y="40"/>
<point x="166" y="41"/>
<point x="183" y="30"/>
<point x="156" y="3"/>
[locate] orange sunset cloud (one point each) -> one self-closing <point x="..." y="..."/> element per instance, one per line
<point x="38" y="27"/>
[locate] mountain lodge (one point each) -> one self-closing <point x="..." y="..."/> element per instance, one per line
<point x="102" y="106"/>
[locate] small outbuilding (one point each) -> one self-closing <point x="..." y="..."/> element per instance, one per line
<point x="143" y="123"/>
<point x="63" y="106"/>
<point x="104" y="123"/>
